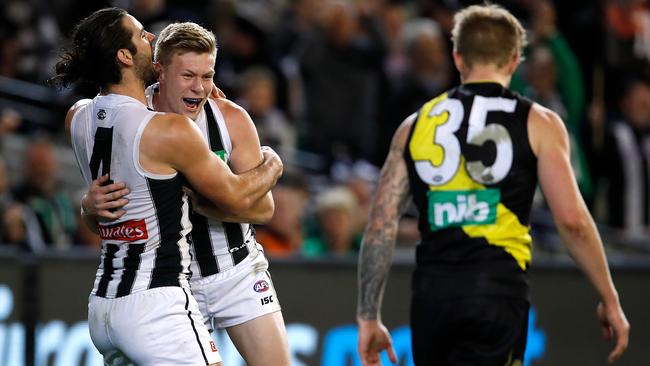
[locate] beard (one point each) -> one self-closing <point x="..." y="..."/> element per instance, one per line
<point x="144" y="69"/>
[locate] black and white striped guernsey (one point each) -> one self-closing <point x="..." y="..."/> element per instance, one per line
<point x="627" y="166"/>
<point x="148" y="246"/>
<point x="217" y="246"/>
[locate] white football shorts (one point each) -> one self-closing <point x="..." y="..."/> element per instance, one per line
<point x="161" y="326"/>
<point x="238" y="294"/>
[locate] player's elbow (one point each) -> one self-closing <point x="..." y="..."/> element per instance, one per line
<point x="573" y="223"/>
<point x="264" y="216"/>
<point x="240" y="202"/>
<point x="267" y="210"/>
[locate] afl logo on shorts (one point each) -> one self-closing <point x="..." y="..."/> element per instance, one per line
<point x="261" y="286"/>
<point x="101" y="114"/>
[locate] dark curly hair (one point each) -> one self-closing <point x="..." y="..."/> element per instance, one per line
<point x="91" y="59"/>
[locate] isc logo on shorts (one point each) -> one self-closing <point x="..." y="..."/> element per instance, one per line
<point x="460" y="208"/>
<point x="213" y="347"/>
<point x="261" y="286"/>
<point x="132" y="230"/>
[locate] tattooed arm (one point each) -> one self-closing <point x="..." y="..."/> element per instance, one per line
<point x="376" y="254"/>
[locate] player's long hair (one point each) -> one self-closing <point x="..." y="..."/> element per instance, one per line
<point x="92" y="57"/>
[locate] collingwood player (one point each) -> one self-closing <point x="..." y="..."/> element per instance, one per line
<point x="229" y="280"/>
<point x="140" y="309"/>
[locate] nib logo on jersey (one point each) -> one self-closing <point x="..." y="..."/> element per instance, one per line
<point x="461" y="208"/>
<point x="132" y="230"/>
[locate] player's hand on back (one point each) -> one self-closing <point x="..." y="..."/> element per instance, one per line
<point x="216" y="93"/>
<point x="200" y="204"/>
<point x="615" y="325"/>
<point x="105" y="201"/>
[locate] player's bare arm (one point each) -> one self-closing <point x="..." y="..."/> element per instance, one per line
<point x="376" y="254"/>
<point x="246" y="154"/>
<point x="550" y="143"/>
<point x="390" y="201"/>
<point x="174" y="143"/>
<point x="104" y="202"/>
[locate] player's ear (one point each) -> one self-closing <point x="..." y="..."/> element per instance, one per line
<point x="157" y="67"/>
<point x="515" y="60"/>
<point x="459" y="62"/>
<point x="124" y="56"/>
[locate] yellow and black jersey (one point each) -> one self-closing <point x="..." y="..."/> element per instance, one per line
<point x="473" y="176"/>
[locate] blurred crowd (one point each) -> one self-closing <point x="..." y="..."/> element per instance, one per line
<point x="327" y="82"/>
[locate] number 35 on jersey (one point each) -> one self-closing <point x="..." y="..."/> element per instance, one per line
<point x="458" y="194"/>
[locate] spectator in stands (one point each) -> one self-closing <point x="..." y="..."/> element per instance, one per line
<point x="428" y="73"/>
<point x="283" y="236"/>
<point x="627" y="45"/>
<point x="552" y="77"/>
<point x="27" y="37"/>
<point x="156" y="14"/>
<point x="336" y="232"/>
<point x="9" y="49"/>
<point x="246" y="45"/>
<point x="43" y="216"/>
<point x="341" y="64"/>
<point x="394" y="16"/>
<point x="359" y="178"/>
<point x="625" y="162"/>
<point x="10" y="120"/>
<point x="5" y="199"/>
<point x="258" y="97"/>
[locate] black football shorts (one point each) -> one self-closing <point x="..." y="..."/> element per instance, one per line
<point x="473" y="331"/>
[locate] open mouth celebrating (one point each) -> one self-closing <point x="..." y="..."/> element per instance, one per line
<point x="192" y="103"/>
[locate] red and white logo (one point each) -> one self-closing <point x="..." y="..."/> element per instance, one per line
<point x="260" y="286"/>
<point x="132" y="230"/>
<point x="213" y="347"/>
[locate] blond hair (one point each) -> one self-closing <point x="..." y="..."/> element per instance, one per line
<point x="183" y="37"/>
<point x="487" y="34"/>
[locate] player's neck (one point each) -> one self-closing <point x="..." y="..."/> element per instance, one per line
<point x="156" y="103"/>
<point x="485" y="73"/>
<point x="129" y="86"/>
<point x="159" y="103"/>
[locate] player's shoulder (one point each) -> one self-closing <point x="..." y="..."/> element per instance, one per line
<point x="545" y="126"/>
<point x="77" y="106"/>
<point x="237" y="120"/>
<point x="170" y="131"/>
<point x="404" y="129"/>
<point x="167" y="123"/>
<point x="229" y="109"/>
<point x="70" y="116"/>
<point x="72" y="111"/>
<point x="80" y="103"/>
<point x="543" y="117"/>
<point x="168" y="117"/>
